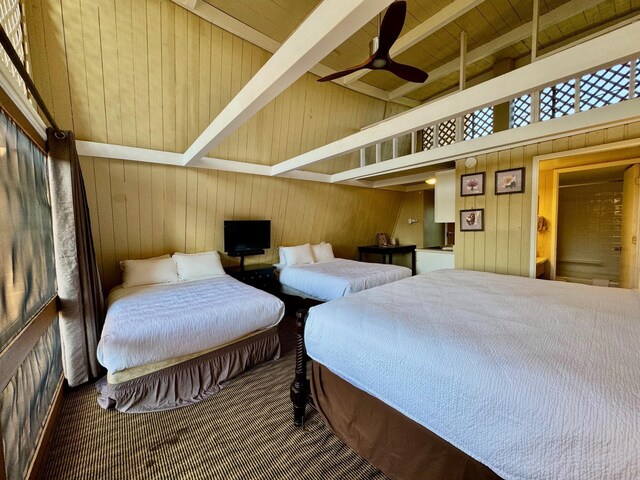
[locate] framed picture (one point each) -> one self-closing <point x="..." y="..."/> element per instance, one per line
<point x="472" y="220"/>
<point x="472" y="184"/>
<point x="510" y="181"/>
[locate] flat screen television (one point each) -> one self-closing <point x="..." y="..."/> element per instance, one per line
<point x="246" y="236"/>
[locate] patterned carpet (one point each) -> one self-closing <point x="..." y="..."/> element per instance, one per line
<point x="242" y="432"/>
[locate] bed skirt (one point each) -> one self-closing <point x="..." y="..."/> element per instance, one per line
<point x="190" y="381"/>
<point x="400" y="447"/>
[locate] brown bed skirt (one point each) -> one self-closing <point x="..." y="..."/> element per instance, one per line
<point x="190" y="381"/>
<point x="400" y="447"/>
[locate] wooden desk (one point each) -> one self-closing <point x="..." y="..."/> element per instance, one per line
<point x="390" y="251"/>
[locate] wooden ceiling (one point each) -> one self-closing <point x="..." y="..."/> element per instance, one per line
<point x="491" y="19"/>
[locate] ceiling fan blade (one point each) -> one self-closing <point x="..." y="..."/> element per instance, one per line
<point x="391" y="26"/>
<point x="407" y="72"/>
<point x="342" y="73"/>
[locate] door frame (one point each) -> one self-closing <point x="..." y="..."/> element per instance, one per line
<point x="608" y="154"/>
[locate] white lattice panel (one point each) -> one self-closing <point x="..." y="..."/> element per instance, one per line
<point x="11" y="21"/>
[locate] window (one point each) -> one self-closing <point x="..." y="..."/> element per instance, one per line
<point x="558" y="100"/>
<point x="428" y="139"/>
<point x="447" y="132"/>
<point x="11" y="18"/>
<point x="478" y="123"/>
<point x="605" y="87"/>
<point x="520" y="111"/>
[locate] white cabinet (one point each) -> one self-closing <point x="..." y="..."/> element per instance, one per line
<point x="445" y="198"/>
<point x="430" y="260"/>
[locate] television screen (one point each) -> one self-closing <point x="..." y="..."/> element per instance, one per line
<point x="246" y="235"/>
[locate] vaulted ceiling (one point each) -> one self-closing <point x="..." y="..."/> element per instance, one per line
<point x="561" y="21"/>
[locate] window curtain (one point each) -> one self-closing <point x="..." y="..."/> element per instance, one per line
<point x="79" y="288"/>
<point x="27" y="284"/>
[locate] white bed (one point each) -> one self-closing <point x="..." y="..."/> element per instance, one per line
<point x="151" y="329"/>
<point x="534" y="379"/>
<point x="331" y="279"/>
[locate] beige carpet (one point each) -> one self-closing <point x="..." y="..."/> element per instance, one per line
<point x="242" y="432"/>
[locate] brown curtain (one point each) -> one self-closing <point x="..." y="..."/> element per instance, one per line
<point x="79" y="288"/>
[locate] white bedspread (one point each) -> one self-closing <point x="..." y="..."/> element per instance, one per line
<point x="154" y="323"/>
<point x="535" y="379"/>
<point x="333" y="279"/>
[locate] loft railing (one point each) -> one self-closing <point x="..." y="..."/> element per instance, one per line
<point x="596" y="89"/>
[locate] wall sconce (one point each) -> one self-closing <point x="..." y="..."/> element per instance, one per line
<point x="430" y="181"/>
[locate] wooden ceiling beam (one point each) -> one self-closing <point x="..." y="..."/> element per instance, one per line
<point x="220" y="19"/>
<point x="431" y="25"/>
<point x="568" y="10"/>
<point x="330" y="24"/>
<point x="606" y="49"/>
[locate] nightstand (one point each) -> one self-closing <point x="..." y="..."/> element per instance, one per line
<point x="261" y="275"/>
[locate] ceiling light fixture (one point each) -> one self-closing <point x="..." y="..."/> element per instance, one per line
<point x="430" y="181"/>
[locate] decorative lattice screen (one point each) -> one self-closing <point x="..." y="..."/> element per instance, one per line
<point x="520" y="111"/>
<point x="478" y="123"/>
<point x="605" y="87"/>
<point x="447" y="132"/>
<point x="638" y="78"/>
<point x="427" y="138"/>
<point x="558" y="100"/>
<point x="11" y="20"/>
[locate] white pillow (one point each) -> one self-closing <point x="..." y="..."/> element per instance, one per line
<point x="198" y="265"/>
<point x="148" y="272"/>
<point x="322" y="252"/>
<point x="299" y="255"/>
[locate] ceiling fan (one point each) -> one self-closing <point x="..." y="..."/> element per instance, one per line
<point x="388" y="33"/>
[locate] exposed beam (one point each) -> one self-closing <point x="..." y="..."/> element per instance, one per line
<point x="217" y="17"/>
<point x="405" y="179"/>
<point x="596" y="119"/>
<point x="146" y="155"/>
<point x="330" y="24"/>
<point x="431" y="25"/>
<point x="607" y="49"/>
<point x="570" y="9"/>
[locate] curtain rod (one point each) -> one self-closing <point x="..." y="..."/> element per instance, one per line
<point x="22" y="71"/>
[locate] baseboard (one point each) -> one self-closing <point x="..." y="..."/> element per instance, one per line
<point x="42" y="448"/>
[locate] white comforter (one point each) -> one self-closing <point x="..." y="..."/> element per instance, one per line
<point x="535" y="379"/>
<point x="159" y="322"/>
<point x="333" y="279"/>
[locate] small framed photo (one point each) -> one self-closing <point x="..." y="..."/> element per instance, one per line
<point x="472" y="220"/>
<point x="510" y="181"/>
<point x="472" y="184"/>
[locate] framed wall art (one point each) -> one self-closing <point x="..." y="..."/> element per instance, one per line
<point x="472" y="184"/>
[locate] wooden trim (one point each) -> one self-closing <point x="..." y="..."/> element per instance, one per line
<point x="568" y="10"/>
<point x="14" y="354"/>
<point x="330" y="24"/>
<point x="220" y="19"/>
<point x="595" y="119"/>
<point x="600" y="52"/>
<point x="15" y="113"/>
<point x="606" y="147"/>
<point x="136" y="154"/>
<point x="42" y="448"/>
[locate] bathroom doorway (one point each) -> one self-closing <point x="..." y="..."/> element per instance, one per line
<point x="596" y="238"/>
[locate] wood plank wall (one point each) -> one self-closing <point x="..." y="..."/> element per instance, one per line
<point x="150" y="74"/>
<point x="141" y="210"/>
<point x="505" y="245"/>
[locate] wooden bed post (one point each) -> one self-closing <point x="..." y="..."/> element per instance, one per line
<point x="300" y="385"/>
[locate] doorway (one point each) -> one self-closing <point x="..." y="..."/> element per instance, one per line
<point x="597" y="210"/>
<point x="589" y="233"/>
